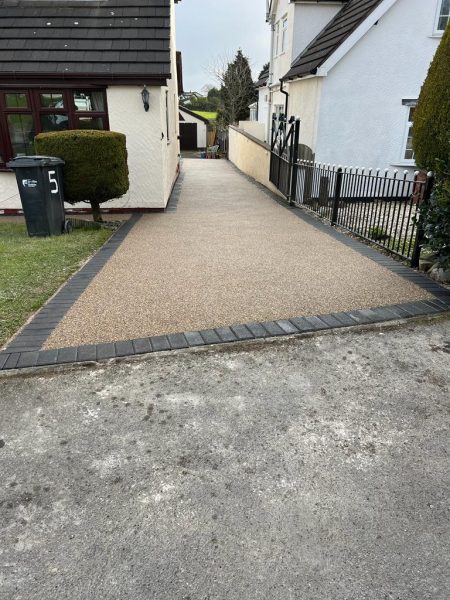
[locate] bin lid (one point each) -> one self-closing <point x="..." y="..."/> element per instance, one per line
<point x="34" y="161"/>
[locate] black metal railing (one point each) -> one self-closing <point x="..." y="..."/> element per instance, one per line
<point x="380" y="207"/>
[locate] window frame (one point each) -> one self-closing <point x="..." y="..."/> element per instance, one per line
<point x="35" y="109"/>
<point x="407" y="104"/>
<point x="284" y="33"/>
<point x="436" y="31"/>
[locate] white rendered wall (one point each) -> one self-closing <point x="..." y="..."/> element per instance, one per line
<point x="309" y="20"/>
<point x="144" y="145"/>
<point x="304" y="102"/>
<point x="201" y="128"/>
<point x="361" y="118"/>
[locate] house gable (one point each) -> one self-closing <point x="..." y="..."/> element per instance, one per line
<point x="339" y="35"/>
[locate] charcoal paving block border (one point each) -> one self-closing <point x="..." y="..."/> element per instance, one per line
<point x="21" y="356"/>
<point x="33" y="336"/>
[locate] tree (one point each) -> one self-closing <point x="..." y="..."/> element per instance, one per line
<point x="431" y="143"/>
<point x="265" y="68"/>
<point x="431" y="130"/>
<point x="237" y="90"/>
<point x="95" y="167"/>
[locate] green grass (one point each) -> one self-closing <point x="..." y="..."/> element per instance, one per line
<point x="32" y="269"/>
<point x="211" y="116"/>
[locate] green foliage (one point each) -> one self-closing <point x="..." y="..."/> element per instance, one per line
<point x="209" y="103"/>
<point x="237" y="91"/>
<point x="34" y="268"/>
<point x="96" y="163"/>
<point x="436" y="220"/>
<point x="378" y="233"/>
<point x="431" y="130"/>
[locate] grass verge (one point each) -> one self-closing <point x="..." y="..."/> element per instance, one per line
<point x="32" y="269"/>
<point x="211" y="116"/>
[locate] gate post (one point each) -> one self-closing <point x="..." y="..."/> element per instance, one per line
<point x="294" y="166"/>
<point x="420" y="233"/>
<point x="337" y="196"/>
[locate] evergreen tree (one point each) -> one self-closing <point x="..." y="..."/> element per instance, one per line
<point x="431" y="131"/>
<point x="237" y="90"/>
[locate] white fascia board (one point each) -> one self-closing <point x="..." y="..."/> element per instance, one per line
<point x="353" y="38"/>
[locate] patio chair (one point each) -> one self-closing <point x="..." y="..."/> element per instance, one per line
<point x="211" y="151"/>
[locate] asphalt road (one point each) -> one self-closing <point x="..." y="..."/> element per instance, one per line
<point x="304" y="469"/>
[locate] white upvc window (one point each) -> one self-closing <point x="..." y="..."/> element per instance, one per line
<point x="408" y="152"/>
<point x="284" y="34"/>
<point x="442" y="16"/>
<point x="276" y="37"/>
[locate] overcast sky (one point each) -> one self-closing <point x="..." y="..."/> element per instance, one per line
<point x="208" y="29"/>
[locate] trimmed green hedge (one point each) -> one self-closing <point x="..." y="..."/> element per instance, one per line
<point x="431" y="130"/>
<point x="96" y="167"/>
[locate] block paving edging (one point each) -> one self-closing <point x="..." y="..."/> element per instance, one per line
<point x="24" y="350"/>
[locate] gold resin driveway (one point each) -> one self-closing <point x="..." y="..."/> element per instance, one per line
<point x="228" y="254"/>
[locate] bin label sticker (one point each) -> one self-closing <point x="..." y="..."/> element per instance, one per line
<point x="52" y="180"/>
<point x="29" y="183"/>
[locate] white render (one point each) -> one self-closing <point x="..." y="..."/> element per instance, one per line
<point x="202" y="127"/>
<point x="352" y="112"/>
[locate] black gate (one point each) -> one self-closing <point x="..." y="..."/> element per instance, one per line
<point x="284" y="154"/>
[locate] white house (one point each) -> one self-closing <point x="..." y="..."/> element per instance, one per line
<point x="352" y="71"/>
<point x="193" y="130"/>
<point x="88" y="65"/>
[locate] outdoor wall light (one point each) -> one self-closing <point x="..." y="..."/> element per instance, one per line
<point x="145" y="98"/>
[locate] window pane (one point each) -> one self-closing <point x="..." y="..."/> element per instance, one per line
<point x="91" y="123"/>
<point x="54" y="122"/>
<point x="409" y="153"/>
<point x="89" y="101"/>
<point x="52" y="100"/>
<point x="21" y="133"/>
<point x="16" y="100"/>
<point x="442" y="23"/>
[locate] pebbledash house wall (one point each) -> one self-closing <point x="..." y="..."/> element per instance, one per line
<point x="356" y="116"/>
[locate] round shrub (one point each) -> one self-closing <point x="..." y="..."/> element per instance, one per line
<point x="95" y="167"/>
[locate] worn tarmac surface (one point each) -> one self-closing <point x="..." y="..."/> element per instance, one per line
<point x="229" y="254"/>
<point x="309" y="468"/>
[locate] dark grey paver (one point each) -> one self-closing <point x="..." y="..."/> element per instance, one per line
<point x="105" y="351"/>
<point x="316" y="323"/>
<point x="124" y="348"/>
<point x="194" y="338"/>
<point x="28" y="359"/>
<point x="3" y="358"/>
<point x="272" y="328"/>
<point x="287" y="326"/>
<point x="331" y="321"/>
<point x="242" y="333"/>
<point x="257" y="330"/>
<point x="210" y="336"/>
<point x="67" y="355"/>
<point x="302" y="324"/>
<point x="87" y="352"/>
<point x="177" y="341"/>
<point x="160" y="343"/>
<point x="226" y="334"/>
<point x="142" y="345"/>
<point x="47" y="357"/>
<point x="344" y="318"/>
<point x="12" y="360"/>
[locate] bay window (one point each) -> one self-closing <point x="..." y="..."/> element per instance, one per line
<point x="26" y="112"/>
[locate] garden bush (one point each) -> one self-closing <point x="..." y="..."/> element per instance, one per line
<point x="95" y="167"/>
<point x="431" y="143"/>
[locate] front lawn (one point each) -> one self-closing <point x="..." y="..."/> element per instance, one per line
<point x="211" y="116"/>
<point x="32" y="269"/>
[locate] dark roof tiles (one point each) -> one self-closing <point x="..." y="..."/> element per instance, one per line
<point x="100" y="37"/>
<point x="349" y="18"/>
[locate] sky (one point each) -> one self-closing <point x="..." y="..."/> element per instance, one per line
<point x="208" y="30"/>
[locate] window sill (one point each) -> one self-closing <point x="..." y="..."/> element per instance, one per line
<point x="405" y="163"/>
<point x="436" y="34"/>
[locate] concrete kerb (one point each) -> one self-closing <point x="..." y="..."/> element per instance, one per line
<point x="27" y="353"/>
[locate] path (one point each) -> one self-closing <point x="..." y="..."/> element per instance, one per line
<point x="312" y="469"/>
<point x="228" y="254"/>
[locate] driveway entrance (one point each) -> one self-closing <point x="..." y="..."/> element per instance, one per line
<point x="228" y="254"/>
